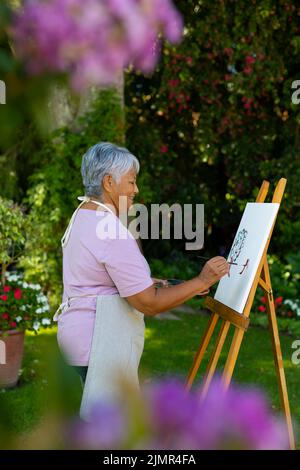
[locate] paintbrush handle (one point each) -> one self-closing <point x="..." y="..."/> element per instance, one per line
<point x="204" y="257"/>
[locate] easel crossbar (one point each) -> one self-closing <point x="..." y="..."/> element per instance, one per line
<point x="237" y="319"/>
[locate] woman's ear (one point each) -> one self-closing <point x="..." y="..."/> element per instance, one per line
<point x="107" y="183"/>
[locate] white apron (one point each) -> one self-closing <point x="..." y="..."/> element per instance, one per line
<point x="117" y="345"/>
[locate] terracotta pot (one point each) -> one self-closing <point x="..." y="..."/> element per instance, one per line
<point x="11" y="352"/>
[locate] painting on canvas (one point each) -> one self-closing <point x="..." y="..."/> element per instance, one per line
<point x="245" y="254"/>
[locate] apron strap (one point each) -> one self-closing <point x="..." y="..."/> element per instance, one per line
<point x="65" y="305"/>
<point x="83" y="199"/>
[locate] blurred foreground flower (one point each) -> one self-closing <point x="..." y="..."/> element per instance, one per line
<point x="92" y="41"/>
<point x="167" y="417"/>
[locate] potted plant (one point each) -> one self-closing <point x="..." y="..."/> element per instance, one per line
<point x="23" y="306"/>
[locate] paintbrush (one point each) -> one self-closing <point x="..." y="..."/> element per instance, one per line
<point x="205" y="258"/>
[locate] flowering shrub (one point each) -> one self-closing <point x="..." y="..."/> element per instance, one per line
<point x="171" y="418"/>
<point x="22" y="305"/>
<point x="284" y="308"/>
<point x="93" y="41"/>
<point x="217" y="118"/>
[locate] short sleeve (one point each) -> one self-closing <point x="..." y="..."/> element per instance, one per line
<point x="126" y="265"/>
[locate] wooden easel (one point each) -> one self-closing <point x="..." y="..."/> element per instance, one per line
<point x="240" y="322"/>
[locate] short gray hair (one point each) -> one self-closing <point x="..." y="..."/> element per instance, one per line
<point x="103" y="159"/>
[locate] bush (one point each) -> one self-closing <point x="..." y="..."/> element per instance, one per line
<point x="12" y="234"/>
<point x="217" y="118"/>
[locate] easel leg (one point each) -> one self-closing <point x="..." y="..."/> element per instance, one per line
<point x="232" y="356"/>
<point x="202" y="348"/>
<point x="215" y="357"/>
<point x="278" y="355"/>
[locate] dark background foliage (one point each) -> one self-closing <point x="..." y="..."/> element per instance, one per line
<point x="217" y="117"/>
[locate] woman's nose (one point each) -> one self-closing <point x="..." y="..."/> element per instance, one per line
<point x="136" y="189"/>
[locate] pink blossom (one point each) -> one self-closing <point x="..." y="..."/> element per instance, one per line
<point x="6" y="288"/>
<point x="92" y="41"/>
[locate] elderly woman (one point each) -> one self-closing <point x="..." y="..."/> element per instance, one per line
<point x="107" y="281"/>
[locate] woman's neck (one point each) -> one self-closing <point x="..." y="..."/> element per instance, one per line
<point x="106" y="200"/>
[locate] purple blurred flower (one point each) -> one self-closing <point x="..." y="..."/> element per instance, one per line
<point x="92" y="41"/>
<point x="237" y="419"/>
<point x="176" y="419"/>
<point x="105" y="430"/>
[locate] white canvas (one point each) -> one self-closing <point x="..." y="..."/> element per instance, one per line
<point x="246" y="251"/>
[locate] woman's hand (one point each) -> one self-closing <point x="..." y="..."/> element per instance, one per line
<point x="214" y="270"/>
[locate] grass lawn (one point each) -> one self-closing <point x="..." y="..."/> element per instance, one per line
<point x="169" y="350"/>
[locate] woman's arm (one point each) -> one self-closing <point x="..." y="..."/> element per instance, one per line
<point x="152" y="301"/>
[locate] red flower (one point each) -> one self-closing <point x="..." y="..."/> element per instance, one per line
<point x="13" y="324"/>
<point x="4" y="297"/>
<point x="263" y="300"/>
<point x="228" y="51"/>
<point x="6" y="288"/>
<point x="5" y="316"/>
<point x="279" y="300"/>
<point x="173" y="83"/>
<point x="18" y="294"/>
<point x="248" y="70"/>
<point x="249" y="60"/>
<point x="261" y="308"/>
<point x="163" y="149"/>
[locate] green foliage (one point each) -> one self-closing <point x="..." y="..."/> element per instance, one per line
<point x="217" y="117"/>
<point x="178" y="267"/>
<point x="52" y="196"/>
<point x="12" y="233"/>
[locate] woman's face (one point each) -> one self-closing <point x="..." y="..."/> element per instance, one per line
<point x="124" y="192"/>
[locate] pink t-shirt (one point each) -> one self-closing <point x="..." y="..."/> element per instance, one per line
<point x="94" y="263"/>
